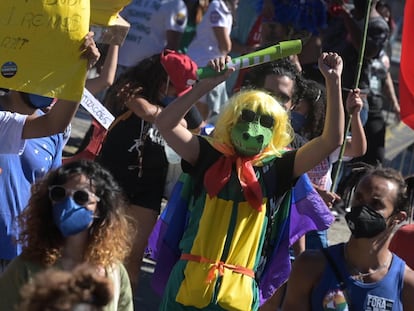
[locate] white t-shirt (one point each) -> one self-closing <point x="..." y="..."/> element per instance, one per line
<point x="150" y="20"/>
<point x="11" y="128"/>
<point x="320" y="175"/>
<point x="204" y="46"/>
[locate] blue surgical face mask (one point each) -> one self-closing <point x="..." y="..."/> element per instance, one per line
<point x="39" y="101"/>
<point x="70" y="217"/>
<point x="297" y="120"/>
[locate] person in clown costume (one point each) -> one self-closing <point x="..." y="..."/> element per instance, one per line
<point x="226" y="227"/>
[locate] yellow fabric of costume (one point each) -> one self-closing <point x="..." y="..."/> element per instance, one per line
<point x="236" y="288"/>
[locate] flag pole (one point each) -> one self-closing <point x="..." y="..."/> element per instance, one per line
<point x="356" y="83"/>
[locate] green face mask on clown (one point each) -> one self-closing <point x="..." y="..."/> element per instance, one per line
<point x="252" y="133"/>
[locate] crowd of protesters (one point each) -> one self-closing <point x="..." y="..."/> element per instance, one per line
<point x="246" y="162"/>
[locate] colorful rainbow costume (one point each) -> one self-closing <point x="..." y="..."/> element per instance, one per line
<point x="218" y="252"/>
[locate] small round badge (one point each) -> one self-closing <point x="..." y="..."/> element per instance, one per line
<point x="8" y="69"/>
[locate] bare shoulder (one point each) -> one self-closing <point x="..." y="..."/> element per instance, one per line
<point x="311" y="263"/>
<point x="310" y="257"/>
<point x="307" y="270"/>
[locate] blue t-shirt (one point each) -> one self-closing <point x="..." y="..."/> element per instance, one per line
<point x="17" y="173"/>
<point x="384" y="295"/>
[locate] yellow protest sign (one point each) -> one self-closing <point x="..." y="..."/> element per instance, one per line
<point x="40" y="44"/>
<point x="104" y="12"/>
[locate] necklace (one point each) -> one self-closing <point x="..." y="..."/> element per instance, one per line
<point x="358" y="275"/>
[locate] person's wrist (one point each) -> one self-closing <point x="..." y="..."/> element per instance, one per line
<point x="333" y="79"/>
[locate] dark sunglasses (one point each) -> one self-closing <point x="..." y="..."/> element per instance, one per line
<point x="250" y="116"/>
<point x="81" y="197"/>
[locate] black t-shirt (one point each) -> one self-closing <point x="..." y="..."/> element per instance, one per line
<point x="376" y="40"/>
<point x="335" y="41"/>
<point x="282" y="168"/>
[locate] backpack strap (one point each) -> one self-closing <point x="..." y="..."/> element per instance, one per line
<point x="339" y="277"/>
<point x="99" y="141"/>
<point x="99" y="133"/>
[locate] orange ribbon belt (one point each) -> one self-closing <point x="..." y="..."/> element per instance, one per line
<point x="217" y="265"/>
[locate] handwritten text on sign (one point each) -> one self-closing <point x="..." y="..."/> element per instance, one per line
<point x="96" y="109"/>
<point x="40" y="46"/>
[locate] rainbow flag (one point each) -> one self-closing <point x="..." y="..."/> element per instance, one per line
<point x="305" y="211"/>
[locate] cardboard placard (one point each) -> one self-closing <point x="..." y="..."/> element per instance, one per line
<point x="111" y="34"/>
<point x="40" y="46"/>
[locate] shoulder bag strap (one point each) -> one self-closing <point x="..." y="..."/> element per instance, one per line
<point x="339" y="277"/>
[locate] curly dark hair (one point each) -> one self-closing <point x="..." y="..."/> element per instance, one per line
<point x="144" y="79"/>
<point x="314" y="94"/>
<point x="57" y="290"/>
<point x="109" y="233"/>
<point x="256" y="76"/>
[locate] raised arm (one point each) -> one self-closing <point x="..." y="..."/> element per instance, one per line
<point x="357" y="145"/>
<point x="223" y="39"/>
<point x="107" y="75"/>
<point x="319" y="148"/>
<point x="59" y="117"/>
<point x="168" y="121"/>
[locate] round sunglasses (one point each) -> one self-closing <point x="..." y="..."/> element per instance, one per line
<point x="250" y="116"/>
<point x="80" y="196"/>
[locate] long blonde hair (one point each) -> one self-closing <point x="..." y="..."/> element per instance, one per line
<point x="258" y="101"/>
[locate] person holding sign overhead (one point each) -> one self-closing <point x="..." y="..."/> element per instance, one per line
<point x="29" y="160"/>
<point x="16" y="127"/>
<point x="51" y="31"/>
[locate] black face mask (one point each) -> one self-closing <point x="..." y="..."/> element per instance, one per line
<point x="364" y="222"/>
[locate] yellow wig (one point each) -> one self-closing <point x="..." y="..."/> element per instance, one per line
<point x="258" y="101"/>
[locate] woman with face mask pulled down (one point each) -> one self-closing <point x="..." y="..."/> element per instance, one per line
<point x="75" y="215"/>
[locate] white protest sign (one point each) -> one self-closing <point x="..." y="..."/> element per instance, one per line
<point x="96" y="109"/>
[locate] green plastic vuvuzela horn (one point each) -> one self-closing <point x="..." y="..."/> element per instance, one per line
<point x="277" y="51"/>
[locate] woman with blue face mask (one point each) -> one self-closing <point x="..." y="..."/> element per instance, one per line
<point x="75" y="215"/>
